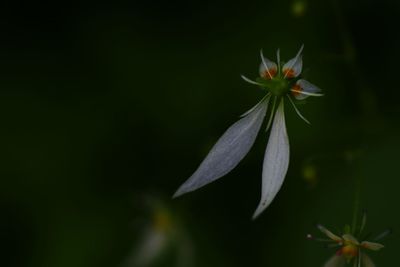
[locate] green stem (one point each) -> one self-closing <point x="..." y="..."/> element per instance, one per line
<point x="356" y="207"/>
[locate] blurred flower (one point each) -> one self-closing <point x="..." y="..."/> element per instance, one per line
<point x="160" y="237"/>
<point x="349" y="247"/>
<point x="279" y="82"/>
<point x="154" y="241"/>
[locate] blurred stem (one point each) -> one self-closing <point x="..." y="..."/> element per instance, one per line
<point x="356" y="207"/>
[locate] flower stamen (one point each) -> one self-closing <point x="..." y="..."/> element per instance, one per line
<point x="297" y="110"/>
<point x="269" y="74"/>
<point x="296" y="89"/>
<point x="289" y="73"/>
<point x="301" y="92"/>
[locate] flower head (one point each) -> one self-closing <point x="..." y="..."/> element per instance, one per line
<point x="351" y="246"/>
<point x="279" y="82"/>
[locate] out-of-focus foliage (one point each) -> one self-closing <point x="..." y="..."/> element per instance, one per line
<point x="102" y="104"/>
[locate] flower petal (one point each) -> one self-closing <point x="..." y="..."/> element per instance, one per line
<point x="293" y="67"/>
<point x="268" y="69"/>
<point x="267" y="96"/>
<point x="336" y="261"/>
<point x="366" y="260"/>
<point x="276" y="161"/>
<point x="271" y="115"/>
<point x="372" y="245"/>
<point x="351" y="239"/>
<point x="250" y="81"/>
<point x="229" y="150"/>
<point x="297" y="110"/>
<point x="153" y="244"/>
<point x="329" y="233"/>
<point x="302" y="89"/>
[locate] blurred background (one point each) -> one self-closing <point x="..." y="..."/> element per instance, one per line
<point x="105" y="109"/>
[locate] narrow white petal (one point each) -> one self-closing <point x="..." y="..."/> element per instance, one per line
<point x="329" y="233"/>
<point x="300" y="95"/>
<point x="306" y="93"/>
<point x="250" y="81"/>
<point x="336" y="261"/>
<point x="271" y="115"/>
<point x="297" y="111"/>
<point x="267" y="96"/>
<point x="276" y="161"/>
<point x="229" y="150"/>
<point x="293" y="67"/>
<point x="308" y="87"/>
<point x="372" y="245"/>
<point x="267" y="68"/>
<point x="366" y="260"/>
<point x="304" y="89"/>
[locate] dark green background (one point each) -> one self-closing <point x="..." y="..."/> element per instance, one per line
<point x="107" y="107"/>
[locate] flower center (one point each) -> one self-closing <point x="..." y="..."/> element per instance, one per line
<point x="349" y="251"/>
<point x="278" y="86"/>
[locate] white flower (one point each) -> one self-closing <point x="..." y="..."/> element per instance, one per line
<point x="236" y="142"/>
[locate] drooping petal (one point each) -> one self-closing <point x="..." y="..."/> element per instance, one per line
<point x="250" y="81"/>
<point x="366" y="260"/>
<point x="303" y="89"/>
<point x="265" y="98"/>
<point x="293" y="67"/>
<point x="229" y="150"/>
<point x="372" y="245"/>
<point x="329" y="233"/>
<point x="297" y="110"/>
<point x="336" y="261"/>
<point x="350" y="238"/>
<point x="268" y="69"/>
<point x="276" y="161"/>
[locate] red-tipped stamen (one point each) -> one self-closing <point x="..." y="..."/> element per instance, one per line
<point x="289" y="73"/>
<point x="296" y="90"/>
<point x="269" y="74"/>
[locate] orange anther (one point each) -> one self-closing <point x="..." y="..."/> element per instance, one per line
<point x="269" y="74"/>
<point x="289" y="73"/>
<point x="349" y="251"/>
<point x="297" y="90"/>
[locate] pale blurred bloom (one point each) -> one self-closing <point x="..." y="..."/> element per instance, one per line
<point x="158" y="237"/>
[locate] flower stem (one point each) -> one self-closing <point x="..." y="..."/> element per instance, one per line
<point x="356" y="207"/>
